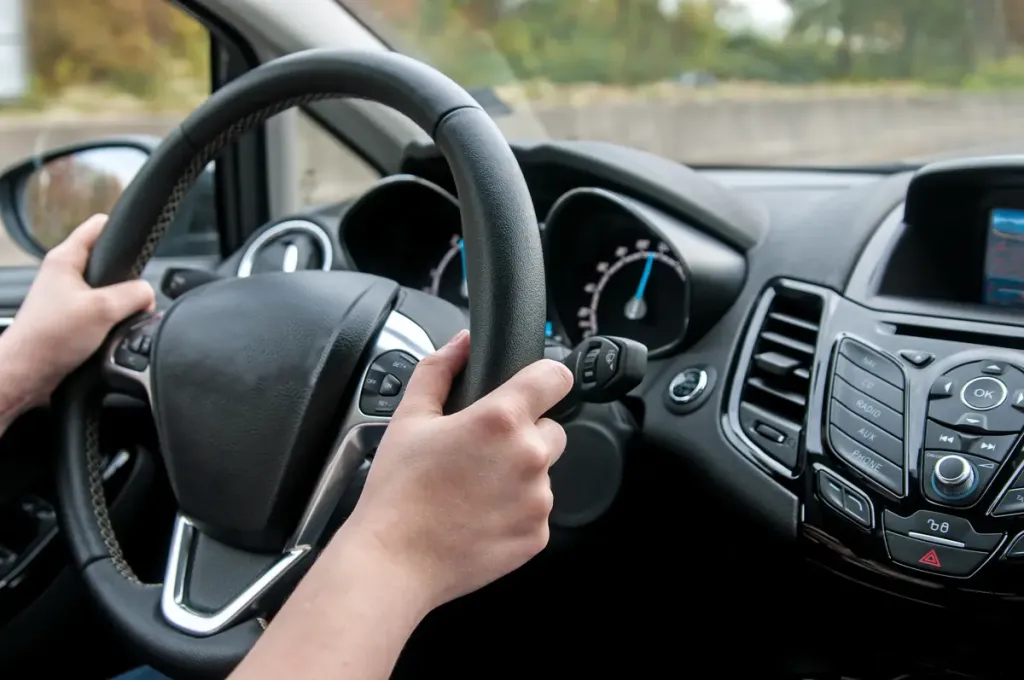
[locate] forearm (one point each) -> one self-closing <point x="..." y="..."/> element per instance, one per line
<point x="348" y="619"/>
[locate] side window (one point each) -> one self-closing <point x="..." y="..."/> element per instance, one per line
<point x="331" y="172"/>
<point x="139" y="68"/>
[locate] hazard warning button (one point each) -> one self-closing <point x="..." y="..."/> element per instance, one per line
<point x="933" y="557"/>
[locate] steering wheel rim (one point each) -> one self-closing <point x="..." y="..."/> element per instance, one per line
<point x="504" y="270"/>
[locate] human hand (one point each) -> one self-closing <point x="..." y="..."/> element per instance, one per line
<point x="458" y="501"/>
<point x="62" y="321"/>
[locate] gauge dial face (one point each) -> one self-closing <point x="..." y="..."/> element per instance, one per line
<point x="448" y="277"/>
<point x="639" y="292"/>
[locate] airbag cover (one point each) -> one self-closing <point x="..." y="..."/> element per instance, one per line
<point x="249" y="378"/>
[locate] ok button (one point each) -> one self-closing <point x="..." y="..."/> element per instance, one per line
<point x="983" y="394"/>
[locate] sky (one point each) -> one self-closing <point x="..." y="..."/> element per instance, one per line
<point x="767" y="16"/>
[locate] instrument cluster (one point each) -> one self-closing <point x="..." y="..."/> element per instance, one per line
<point x="615" y="266"/>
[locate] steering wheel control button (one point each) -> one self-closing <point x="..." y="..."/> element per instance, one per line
<point x="942" y="388"/>
<point x="942" y="528"/>
<point x="984" y="393"/>
<point x="871" y="410"/>
<point x="955" y="479"/>
<point x="385" y="383"/>
<point x="688" y="385"/>
<point x="916" y="358"/>
<point x="985" y="403"/>
<point x="869" y="463"/>
<point x="845" y="499"/>
<point x="390" y="386"/>
<point x="763" y="429"/>
<point x="869" y="384"/>
<point x="932" y="556"/>
<point x="869" y="360"/>
<point x="866" y="434"/>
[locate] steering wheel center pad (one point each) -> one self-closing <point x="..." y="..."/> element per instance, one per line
<point x="246" y="373"/>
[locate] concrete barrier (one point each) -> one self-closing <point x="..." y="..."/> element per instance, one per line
<point x="813" y="130"/>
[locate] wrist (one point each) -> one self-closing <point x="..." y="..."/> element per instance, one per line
<point x="20" y="388"/>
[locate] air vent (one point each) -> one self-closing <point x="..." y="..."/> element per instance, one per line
<point x="289" y="246"/>
<point x="777" y="382"/>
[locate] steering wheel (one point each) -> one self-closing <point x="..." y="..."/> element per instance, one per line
<point x="263" y="388"/>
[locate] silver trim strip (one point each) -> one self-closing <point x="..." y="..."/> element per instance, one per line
<point x="936" y="539"/>
<point x="359" y="435"/>
<point x="172" y="599"/>
<point x="245" y="265"/>
<point x="6" y="321"/>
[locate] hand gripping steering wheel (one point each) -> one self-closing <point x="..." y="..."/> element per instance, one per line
<point x="255" y="383"/>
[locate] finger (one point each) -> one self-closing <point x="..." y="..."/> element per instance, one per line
<point x="121" y="300"/>
<point x="432" y="380"/>
<point x="554" y="437"/>
<point x="536" y="388"/>
<point x="75" y="249"/>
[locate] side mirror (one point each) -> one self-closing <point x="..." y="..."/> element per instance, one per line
<point x="43" y="198"/>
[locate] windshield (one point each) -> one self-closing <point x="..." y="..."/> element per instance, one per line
<point x="734" y="82"/>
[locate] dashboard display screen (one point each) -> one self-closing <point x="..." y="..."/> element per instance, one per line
<point x="1004" y="258"/>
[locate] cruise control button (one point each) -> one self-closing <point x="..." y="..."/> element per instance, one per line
<point x="931" y="524"/>
<point x="125" y="358"/>
<point x="872" y="465"/>
<point x="399" y="364"/>
<point x="942" y="388"/>
<point x="927" y="556"/>
<point x="993" y="447"/>
<point x="983" y="394"/>
<point x="371" y="384"/>
<point x="869" y="384"/>
<point x="871" y="410"/>
<point x="917" y="358"/>
<point x="866" y="434"/>
<point x="872" y="362"/>
<point x="1011" y="504"/>
<point x="378" y="406"/>
<point x="942" y="438"/>
<point x="390" y="386"/>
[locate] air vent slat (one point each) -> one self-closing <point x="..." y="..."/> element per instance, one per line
<point x="792" y="344"/>
<point x="777" y="381"/>
<point x="794" y="321"/>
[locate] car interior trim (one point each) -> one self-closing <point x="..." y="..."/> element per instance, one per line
<point x="172" y="601"/>
<point x="323" y="239"/>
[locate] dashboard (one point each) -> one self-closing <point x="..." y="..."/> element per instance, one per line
<point x="837" y="354"/>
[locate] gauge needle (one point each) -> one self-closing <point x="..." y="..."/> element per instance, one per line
<point x="464" y="287"/>
<point x="636" y="308"/>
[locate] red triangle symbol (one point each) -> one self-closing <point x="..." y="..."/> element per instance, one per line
<point x="931" y="559"/>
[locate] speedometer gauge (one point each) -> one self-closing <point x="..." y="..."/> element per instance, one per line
<point x="640" y="293"/>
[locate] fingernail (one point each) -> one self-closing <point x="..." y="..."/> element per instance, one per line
<point x="459" y="337"/>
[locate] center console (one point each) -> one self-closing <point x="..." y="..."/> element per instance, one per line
<point x="895" y="409"/>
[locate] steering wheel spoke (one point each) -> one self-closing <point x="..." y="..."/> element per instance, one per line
<point x="400" y="344"/>
<point x="128" y="354"/>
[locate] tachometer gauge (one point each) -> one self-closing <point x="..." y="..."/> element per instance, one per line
<point x="640" y="293"/>
<point x="448" y="278"/>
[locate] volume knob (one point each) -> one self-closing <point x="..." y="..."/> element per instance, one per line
<point x="954" y="476"/>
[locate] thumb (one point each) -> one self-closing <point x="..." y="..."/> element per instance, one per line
<point x="432" y="380"/>
<point x="121" y="300"/>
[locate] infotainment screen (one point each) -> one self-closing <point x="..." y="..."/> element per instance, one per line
<point x="1004" y="258"/>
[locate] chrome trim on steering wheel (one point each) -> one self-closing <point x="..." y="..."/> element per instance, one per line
<point x="172" y="600"/>
<point x="359" y="436"/>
